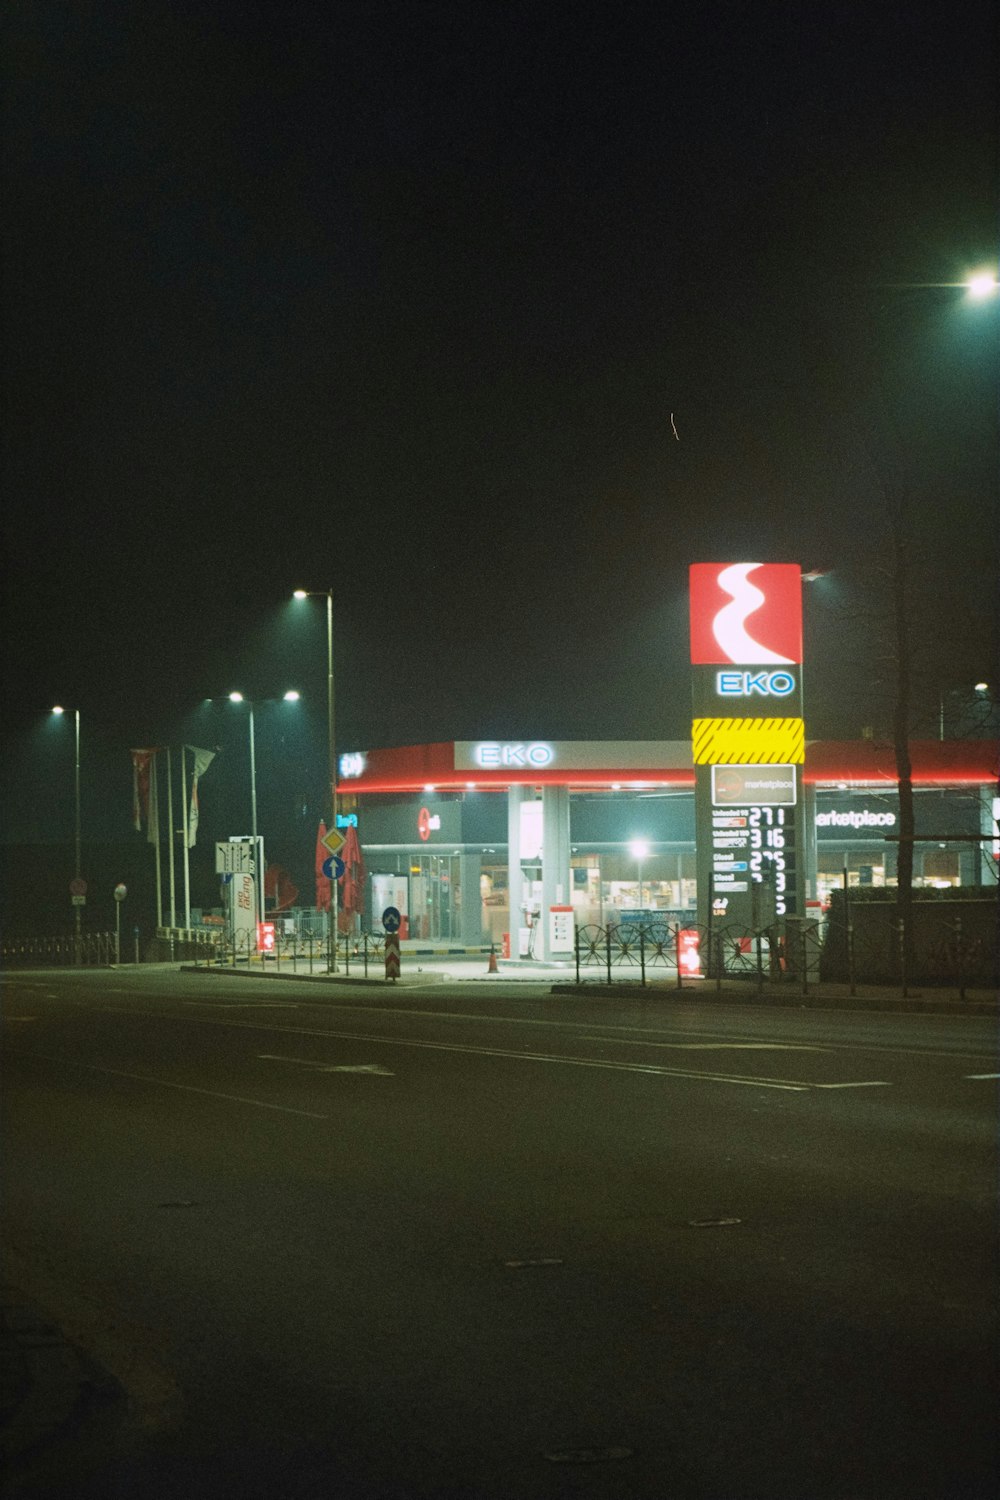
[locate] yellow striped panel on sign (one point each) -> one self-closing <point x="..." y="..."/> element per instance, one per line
<point x="748" y="742"/>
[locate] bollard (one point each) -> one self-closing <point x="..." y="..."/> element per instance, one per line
<point x="607" y="950"/>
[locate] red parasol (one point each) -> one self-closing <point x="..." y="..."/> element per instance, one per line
<point x="322" y="881"/>
<point x="278" y="888"/>
<point x="352" y="887"/>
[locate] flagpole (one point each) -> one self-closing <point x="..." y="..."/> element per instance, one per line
<point x="187" y="837"/>
<point x="173" y="837"/>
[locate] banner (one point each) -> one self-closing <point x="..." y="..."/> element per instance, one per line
<point x="202" y="760"/>
<point x="143" y="785"/>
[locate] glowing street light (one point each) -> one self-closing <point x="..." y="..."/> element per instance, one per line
<point x="639" y="850"/>
<point x="984" y="284"/>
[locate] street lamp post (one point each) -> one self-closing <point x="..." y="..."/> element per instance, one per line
<point x="331" y="750"/>
<point x="76" y="823"/>
<point x="290" y="697"/>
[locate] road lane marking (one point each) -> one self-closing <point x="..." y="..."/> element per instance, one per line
<point x="525" y="1021"/>
<point x="243" y="1004"/>
<point x="982" y="1075"/>
<point x="790" y="1085"/>
<point x="827" y="1044"/>
<point x="184" y="1088"/>
<point x="320" y="1067"/>
<point x="628" y="1041"/>
<point x="871" y="1083"/>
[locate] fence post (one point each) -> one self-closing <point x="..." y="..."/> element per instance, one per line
<point x="902" y="956"/>
<point x="642" y="955"/>
<point x="960" y="958"/>
<point x="677" y="954"/>
<point x="719" y="962"/>
<point x="576" y="950"/>
<point x="760" y="962"/>
<point x="804" y="956"/>
<point x="607" y="950"/>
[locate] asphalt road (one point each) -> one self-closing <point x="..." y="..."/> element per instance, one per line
<point x="460" y="1242"/>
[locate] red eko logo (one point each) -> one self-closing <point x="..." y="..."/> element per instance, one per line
<point x="747" y="614"/>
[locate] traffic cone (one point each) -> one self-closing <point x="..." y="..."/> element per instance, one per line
<point x="493" y="969"/>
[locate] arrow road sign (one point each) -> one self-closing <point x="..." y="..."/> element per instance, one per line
<point x="333" y="868"/>
<point x="391" y="919"/>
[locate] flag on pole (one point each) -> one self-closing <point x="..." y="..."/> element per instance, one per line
<point x="202" y="760"/>
<point x="142" y="765"/>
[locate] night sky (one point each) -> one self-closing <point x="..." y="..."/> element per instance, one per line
<point x="492" y="318"/>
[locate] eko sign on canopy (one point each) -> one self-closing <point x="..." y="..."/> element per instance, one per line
<point x="746" y="669"/>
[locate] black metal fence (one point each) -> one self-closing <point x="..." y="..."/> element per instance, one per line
<point x="302" y="952"/>
<point x="798" y="953"/>
<point x="669" y="952"/>
<point x="91" y="948"/>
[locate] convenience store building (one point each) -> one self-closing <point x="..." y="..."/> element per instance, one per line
<point x="512" y="842"/>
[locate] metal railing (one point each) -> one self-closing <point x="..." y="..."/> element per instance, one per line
<point x="301" y="952"/>
<point x="788" y="952"/>
<point x="89" y="948"/>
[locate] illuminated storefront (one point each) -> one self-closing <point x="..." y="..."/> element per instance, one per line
<point x="452" y="831"/>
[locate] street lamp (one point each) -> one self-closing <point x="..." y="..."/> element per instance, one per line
<point x="982" y="285"/>
<point x="331" y="744"/>
<point x="76" y="783"/>
<point x="639" y="849"/>
<point x="979" y="688"/>
<point x="290" y="697"/>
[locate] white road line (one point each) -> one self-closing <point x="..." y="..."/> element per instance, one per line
<point x="628" y="1041"/>
<point x="185" y="1088"/>
<point x="639" y="1031"/>
<point x="872" y="1083"/>
<point x="982" y="1075"/>
<point x="320" y="1067"/>
<point x="243" y="1004"/>
<point x="790" y="1085"/>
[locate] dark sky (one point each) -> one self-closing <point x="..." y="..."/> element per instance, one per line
<point x="407" y="300"/>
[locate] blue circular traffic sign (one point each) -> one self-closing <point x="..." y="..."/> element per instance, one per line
<point x="333" y="867"/>
<point x="391" y="919"/>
